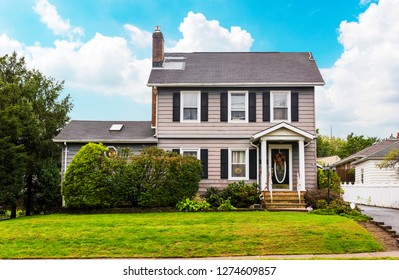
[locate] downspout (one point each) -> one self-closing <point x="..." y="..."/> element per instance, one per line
<point x="65" y="167"/>
<point x="257" y="162"/>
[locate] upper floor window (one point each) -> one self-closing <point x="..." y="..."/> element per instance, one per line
<point x="238" y="106"/>
<point x="281" y="104"/>
<point x="190" y="106"/>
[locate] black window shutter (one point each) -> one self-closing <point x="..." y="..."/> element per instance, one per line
<point x="177" y="151"/>
<point x="176" y="106"/>
<point x="252" y="106"/>
<point x="223" y="106"/>
<point x="294" y="107"/>
<point x="204" y="106"/>
<point x="252" y="164"/>
<point x="224" y="164"/>
<point x="204" y="162"/>
<point x="266" y="106"/>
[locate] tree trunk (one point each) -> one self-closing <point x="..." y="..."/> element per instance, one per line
<point x="13" y="212"/>
<point x="29" y="184"/>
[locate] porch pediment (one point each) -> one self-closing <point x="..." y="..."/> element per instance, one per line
<point x="282" y="131"/>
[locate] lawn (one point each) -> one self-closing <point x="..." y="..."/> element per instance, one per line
<point x="185" y="235"/>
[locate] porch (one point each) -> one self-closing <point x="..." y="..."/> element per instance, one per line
<point x="282" y="153"/>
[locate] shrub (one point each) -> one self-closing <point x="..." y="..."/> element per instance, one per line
<point x="226" y="206"/>
<point x="163" y="178"/>
<point x="335" y="181"/>
<point x="240" y="194"/>
<point x="87" y="179"/>
<point x="313" y="196"/>
<point x="155" y="178"/>
<point x="212" y="196"/>
<point x="193" y="205"/>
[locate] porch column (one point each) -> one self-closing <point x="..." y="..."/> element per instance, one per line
<point x="263" y="149"/>
<point x="301" y="145"/>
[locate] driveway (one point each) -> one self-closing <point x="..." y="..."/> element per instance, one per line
<point x="388" y="216"/>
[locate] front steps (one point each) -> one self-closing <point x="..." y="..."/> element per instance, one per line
<point x="284" y="201"/>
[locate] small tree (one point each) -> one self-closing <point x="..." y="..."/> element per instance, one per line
<point x="390" y="160"/>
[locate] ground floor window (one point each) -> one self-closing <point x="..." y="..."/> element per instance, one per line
<point x="238" y="164"/>
<point x="190" y="152"/>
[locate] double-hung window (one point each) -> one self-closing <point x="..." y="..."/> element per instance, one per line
<point x="238" y="106"/>
<point x="190" y="106"/>
<point x="238" y="164"/>
<point x="281" y="103"/>
<point x="191" y="152"/>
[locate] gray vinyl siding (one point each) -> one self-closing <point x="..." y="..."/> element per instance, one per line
<point x="215" y="135"/>
<point x="166" y="128"/>
<point x="214" y="146"/>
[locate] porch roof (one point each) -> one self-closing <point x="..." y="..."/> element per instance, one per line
<point x="283" y="131"/>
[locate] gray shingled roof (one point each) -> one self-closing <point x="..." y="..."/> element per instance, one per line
<point x="232" y="68"/>
<point x="376" y="151"/>
<point x="99" y="131"/>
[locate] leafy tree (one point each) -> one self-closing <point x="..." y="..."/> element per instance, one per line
<point x="32" y="114"/>
<point x="342" y="147"/>
<point x="355" y="144"/>
<point x="390" y="160"/>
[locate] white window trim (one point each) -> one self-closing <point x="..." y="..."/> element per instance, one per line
<point x="182" y="150"/>
<point x="198" y="93"/>
<point x="231" y="177"/>
<point x="246" y="107"/>
<point x="272" y="93"/>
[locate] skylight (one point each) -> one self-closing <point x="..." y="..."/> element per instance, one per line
<point x="116" y="127"/>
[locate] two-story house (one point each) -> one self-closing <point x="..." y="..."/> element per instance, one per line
<point x="246" y="115"/>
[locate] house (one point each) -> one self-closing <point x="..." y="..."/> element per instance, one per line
<point x="364" y="163"/>
<point x="113" y="134"/>
<point x="246" y="115"/>
<point x="372" y="185"/>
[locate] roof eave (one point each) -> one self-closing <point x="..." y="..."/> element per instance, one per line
<point x="119" y="141"/>
<point x="297" y="84"/>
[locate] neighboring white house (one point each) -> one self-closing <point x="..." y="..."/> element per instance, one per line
<point x="373" y="185"/>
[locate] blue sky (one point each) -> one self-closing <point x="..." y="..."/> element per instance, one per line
<point x="102" y="49"/>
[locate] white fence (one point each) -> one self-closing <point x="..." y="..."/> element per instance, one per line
<point x="374" y="195"/>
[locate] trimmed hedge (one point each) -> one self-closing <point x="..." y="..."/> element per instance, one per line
<point x="155" y="178"/>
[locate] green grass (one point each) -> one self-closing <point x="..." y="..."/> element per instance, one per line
<point x="167" y="235"/>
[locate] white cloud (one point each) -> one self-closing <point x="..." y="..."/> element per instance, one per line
<point x="139" y="38"/>
<point x="49" y="16"/>
<point x="108" y="65"/>
<point x="362" y="91"/>
<point x="200" y="34"/>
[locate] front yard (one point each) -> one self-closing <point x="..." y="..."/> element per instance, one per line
<point x="185" y="235"/>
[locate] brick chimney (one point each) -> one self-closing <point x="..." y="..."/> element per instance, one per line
<point x="157" y="48"/>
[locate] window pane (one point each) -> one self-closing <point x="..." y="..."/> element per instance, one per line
<point x="238" y="115"/>
<point x="190" y="153"/>
<point x="190" y="100"/>
<point x="280" y="100"/>
<point x="238" y="100"/>
<point x="238" y="157"/>
<point x="280" y="113"/>
<point x="238" y="170"/>
<point x="190" y="113"/>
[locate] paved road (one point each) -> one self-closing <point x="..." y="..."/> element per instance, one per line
<point x="389" y="216"/>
